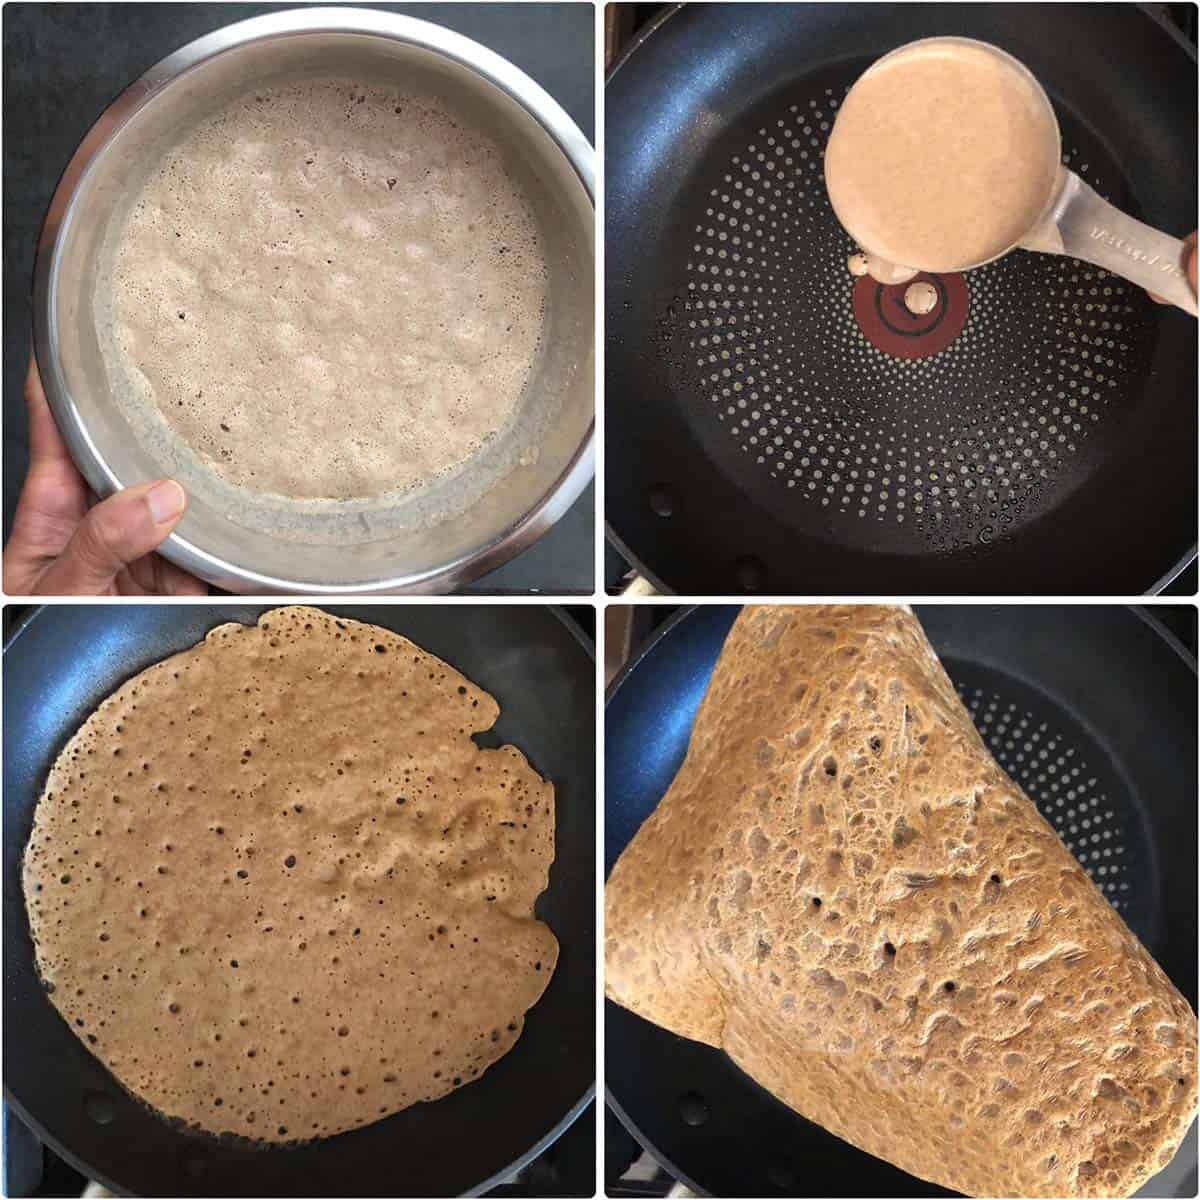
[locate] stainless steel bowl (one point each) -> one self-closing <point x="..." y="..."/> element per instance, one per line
<point x="541" y="143"/>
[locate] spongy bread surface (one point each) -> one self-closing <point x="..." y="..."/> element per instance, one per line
<point x="280" y="891"/>
<point x="843" y="890"/>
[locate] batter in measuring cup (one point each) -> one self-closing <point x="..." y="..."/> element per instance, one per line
<point x="944" y="155"/>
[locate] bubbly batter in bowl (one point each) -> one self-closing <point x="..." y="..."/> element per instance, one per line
<point x="944" y="155"/>
<point x="329" y="292"/>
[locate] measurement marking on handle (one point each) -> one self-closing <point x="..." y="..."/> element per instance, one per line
<point x="1156" y="261"/>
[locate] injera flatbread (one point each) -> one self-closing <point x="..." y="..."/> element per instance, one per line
<point x="278" y="888"/>
<point x="843" y="891"/>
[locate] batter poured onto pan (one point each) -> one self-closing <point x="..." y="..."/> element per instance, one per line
<point x="330" y="292"/>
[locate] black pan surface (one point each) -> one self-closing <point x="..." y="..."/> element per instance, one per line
<point x="59" y="665"/>
<point x="765" y="445"/>
<point x="1091" y="709"/>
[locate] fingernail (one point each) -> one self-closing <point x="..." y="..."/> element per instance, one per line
<point x="166" y="500"/>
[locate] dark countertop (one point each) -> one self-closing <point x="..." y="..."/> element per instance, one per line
<point x="63" y="64"/>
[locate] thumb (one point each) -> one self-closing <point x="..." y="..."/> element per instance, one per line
<point x="113" y="534"/>
<point x="1188" y="263"/>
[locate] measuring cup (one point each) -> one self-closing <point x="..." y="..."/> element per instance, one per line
<point x="1076" y="221"/>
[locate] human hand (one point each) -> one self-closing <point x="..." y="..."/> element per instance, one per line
<point x="1188" y="264"/>
<point x="65" y="544"/>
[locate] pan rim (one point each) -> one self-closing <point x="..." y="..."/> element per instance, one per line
<point x="637" y="1135"/>
<point x="618" y="543"/>
<point x="73" y="1160"/>
<point x="35" y="610"/>
<point x="671" y="10"/>
<point x="650" y="28"/>
<point x="518" y="1163"/>
<point x="1141" y="611"/>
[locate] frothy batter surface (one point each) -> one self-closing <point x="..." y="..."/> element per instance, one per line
<point x="330" y="291"/>
<point x="944" y="154"/>
<point x="280" y="891"/>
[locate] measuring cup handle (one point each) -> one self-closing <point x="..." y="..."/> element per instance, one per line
<point x="1090" y="228"/>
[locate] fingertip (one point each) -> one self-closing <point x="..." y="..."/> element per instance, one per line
<point x="167" y="501"/>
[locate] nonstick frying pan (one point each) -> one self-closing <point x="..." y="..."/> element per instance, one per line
<point x="58" y="667"/>
<point x="776" y="426"/>
<point x="1092" y="710"/>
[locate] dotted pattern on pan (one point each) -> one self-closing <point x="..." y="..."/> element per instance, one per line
<point x="952" y="450"/>
<point x="1073" y="785"/>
